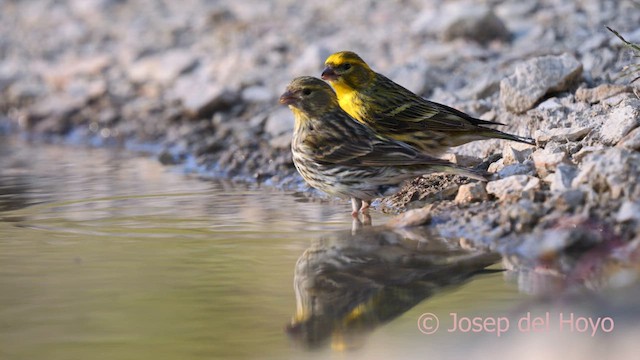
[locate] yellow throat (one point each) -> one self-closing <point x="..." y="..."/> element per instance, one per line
<point x="347" y="99"/>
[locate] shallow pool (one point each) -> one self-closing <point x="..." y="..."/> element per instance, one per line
<point x="105" y="254"/>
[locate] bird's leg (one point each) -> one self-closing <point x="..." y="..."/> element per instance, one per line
<point x="364" y="209"/>
<point x="366" y="219"/>
<point x="356" y="225"/>
<point x="355" y="206"/>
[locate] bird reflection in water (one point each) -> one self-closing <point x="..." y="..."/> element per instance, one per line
<point x="348" y="283"/>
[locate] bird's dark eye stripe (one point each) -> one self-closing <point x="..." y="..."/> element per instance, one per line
<point x="306" y="92"/>
<point x="346" y="66"/>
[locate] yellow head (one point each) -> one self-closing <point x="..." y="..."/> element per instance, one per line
<point x="346" y="71"/>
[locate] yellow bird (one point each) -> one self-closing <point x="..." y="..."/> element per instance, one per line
<point x="395" y="112"/>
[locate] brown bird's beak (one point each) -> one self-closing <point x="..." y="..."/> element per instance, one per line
<point x="329" y="74"/>
<point x="288" y="98"/>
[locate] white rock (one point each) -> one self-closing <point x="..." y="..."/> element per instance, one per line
<point x="56" y="104"/>
<point x="496" y="166"/>
<point x="601" y="92"/>
<point x="281" y="141"/>
<point x="561" y="134"/>
<point x="629" y="210"/>
<point x="462" y="160"/>
<point x="515" y="9"/>
<point x="471" y="192"/>
<point x="546" y="160"/>
<point x="201" y="98"/>
<point x="612" y="172"/>
<point x="70" y="69"/>
<point x="413" y="76"/>
<point x="513" y="186"/>
<point x="593" y="43"/>
<point x="310" y="61"/>
<point x="460" y="19"/>
<point x="550" y="104"/>
<point x="534" y="78"/>
<point x="547" y="243"/>
<point x="482" y="87"/>
<point x="616" y="100"/>
<point x="256" y="93"/>
<point x="577" y="157"/>
<point x="624" y="118"/>
<point x="480" y="25"/>
<point x="279" y="122"/>
<point x="570" y="199"/>
<point x="162" y="68"/>
<point x="526" y="168"/>
<point x="562" y="178"/>
<point x="513" y="155"/>
<point x="631" y="140"/>
<point x="429" y="21"/>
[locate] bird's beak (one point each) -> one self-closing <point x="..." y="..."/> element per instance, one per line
<point x="329" y="74"/>
<point x="288" y="98"/>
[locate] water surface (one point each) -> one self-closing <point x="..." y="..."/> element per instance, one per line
<point x="105" y="254"/>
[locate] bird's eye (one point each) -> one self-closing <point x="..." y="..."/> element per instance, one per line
<point x="346" y="66"/>
<point x="306" y="92"/>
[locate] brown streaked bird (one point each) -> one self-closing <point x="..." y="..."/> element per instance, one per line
<point x="343" y="157"/>
<point x="347" y="285"/>
<point x="396" y="112"/>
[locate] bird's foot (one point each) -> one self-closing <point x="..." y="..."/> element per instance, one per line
<point x="357" y="225"/>
<point x="364" y="209"/>
<point x="361" y="207"/>
<point x="366" y="219"/>
<point x="356" y="205"/>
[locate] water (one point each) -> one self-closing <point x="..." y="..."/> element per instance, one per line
<point x="109" y="255"/>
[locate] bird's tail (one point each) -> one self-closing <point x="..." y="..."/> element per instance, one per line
<point x="497" y="134"/>
<point x="458" y="170"/>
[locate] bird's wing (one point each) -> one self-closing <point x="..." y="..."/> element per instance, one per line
<point x="345" y="141"/>
<point x="342" y="152"/>
<point x="341" y="140"/>
<point x="373" y="152"/>
<point x="406" y="112"/>
<point x="390" y="153"/>
<point x="386" y="152"/>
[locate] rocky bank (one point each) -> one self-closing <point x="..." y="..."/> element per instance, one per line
<point x="197" y="83"/>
